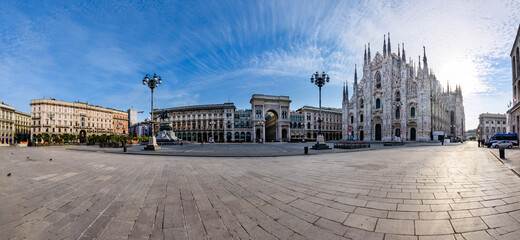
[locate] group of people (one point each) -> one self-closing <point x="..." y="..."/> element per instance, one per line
<point x="481" y="143"/>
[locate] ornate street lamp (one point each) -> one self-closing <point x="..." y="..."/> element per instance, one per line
<point x="320" y="81"/>
<point x="152" y="82"/>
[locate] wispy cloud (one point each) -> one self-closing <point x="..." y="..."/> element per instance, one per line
<point x="214" y="51"/>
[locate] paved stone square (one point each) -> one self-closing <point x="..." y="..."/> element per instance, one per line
<point x="456" y="191"/>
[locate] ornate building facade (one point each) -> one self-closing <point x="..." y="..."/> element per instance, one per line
<point x="513" y="113"/>
<point x="270" y="119"/>
<point x="395" y="99"/>
<point x="14" y="125"/>
<point x="57" y="117"/>
<point x="305" y="126"/>
<point x="490" y="124"/>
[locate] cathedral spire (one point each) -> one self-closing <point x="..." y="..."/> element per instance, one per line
<point x="365" y="53"/>
<point x="404" y="56"/>
<point x="419" y="62"/>
<point x="389" y="46"/>
<point x="448" y="86"/>
<point x="355" y="72"/>
<point x="425" y="61"/>
<point x="384" y="45"/>
<point x="343" y="91"/>
<point x="369" y="58"/>
<point x="355" y="79"/>
<point x="346" y="90"/>
<point x="398" y="51"/>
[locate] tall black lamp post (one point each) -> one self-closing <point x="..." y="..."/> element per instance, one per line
<point x="152" y="82"/>
<point x="320" y="81"/>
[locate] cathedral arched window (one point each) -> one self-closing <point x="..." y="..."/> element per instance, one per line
<point x="397" y="96"/>
<point x="513" y="63"/>
<point x="351" y="119"/>
<point x="378" y="103"/>
<point x="308" y="125"/>
<point x="397" y="113"/>
<point x="517" y="60"/>
<point x="378" y="80"/>
<point x="361" y="103"/>
<point x="487" y="130"/>
<point x="361" y="118"/>
<point x="412" y="112"/>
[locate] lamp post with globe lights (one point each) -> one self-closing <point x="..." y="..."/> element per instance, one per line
<point x="152" y="82"/>
<point x="320" y="80"/>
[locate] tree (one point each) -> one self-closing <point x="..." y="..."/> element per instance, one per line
<point x="38" y="137"/>
<point x="46" y="137"/>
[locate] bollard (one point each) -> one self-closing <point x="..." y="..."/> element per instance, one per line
<point x="305" y="150"/>
<point x="502" y="152"/>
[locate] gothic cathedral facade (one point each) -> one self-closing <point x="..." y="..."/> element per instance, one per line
<point x="397" y="100"/>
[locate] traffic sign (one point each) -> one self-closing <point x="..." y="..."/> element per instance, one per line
<point x="349" y="128"/>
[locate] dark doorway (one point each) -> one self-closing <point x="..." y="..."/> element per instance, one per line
<point x="378" y="132"/>
<point x="361" y="135"/>
<point x="412" y="134"/>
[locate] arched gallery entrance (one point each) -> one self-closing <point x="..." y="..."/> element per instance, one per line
<point x="270" y="126"/>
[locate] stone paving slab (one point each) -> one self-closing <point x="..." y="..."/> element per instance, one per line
<point x="512" y="158"/>
<point x="424" y="192"/>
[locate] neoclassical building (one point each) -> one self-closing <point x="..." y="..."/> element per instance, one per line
<point x="305" y="126"/>
<point x="513" y="113"/>
<point x="490" y="124"/>
<point x="58" y="117"/>
<point x="14" y="125"/>
<point x="270" y="119"/>
<point x="397" y="99"/>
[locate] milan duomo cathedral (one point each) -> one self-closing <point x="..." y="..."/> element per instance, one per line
<point x="397" y="100"/>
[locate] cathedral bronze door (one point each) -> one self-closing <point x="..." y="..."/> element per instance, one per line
<point x="378" y="132"/>
<point x="412" y="134"/>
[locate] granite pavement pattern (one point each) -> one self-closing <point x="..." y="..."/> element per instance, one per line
<point x="428" y="192"/>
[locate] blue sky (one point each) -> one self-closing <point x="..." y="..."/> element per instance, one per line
<point x="220" y="51"/>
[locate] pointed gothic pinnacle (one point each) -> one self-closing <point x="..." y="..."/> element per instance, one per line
<point x="369" y="59"/>
<point x="404" y="56"/>
<point x="365" y="52"/>
<point x="355" y="72"/>
<point x="398" y="50"/>
<point x="424" y="57"/>
<point x="384" y="45"/>
<point x="389" y="45"/>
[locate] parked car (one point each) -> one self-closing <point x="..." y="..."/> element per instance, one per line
<point x="503" y="143"/>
